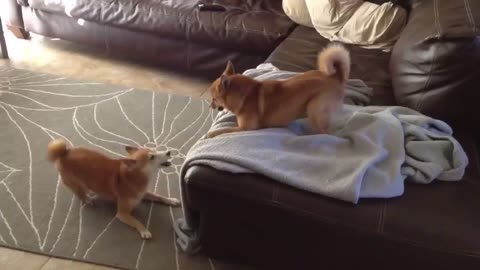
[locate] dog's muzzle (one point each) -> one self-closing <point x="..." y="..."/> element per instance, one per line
<point x="166" y="164"/>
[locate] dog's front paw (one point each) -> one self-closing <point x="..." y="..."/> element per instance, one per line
<point x="89" y="201"/>
<point x="145" y="234"/>
<point x="173" y="202"/>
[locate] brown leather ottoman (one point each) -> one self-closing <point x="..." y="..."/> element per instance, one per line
<point x="256" y="220"/>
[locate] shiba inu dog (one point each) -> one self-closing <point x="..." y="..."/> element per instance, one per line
<point x="315" y="94"/>
<point x="123" y="181"/>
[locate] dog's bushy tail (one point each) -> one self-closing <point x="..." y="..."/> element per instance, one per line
<point x="335" y="60"/>
<point x="56" y="149"/>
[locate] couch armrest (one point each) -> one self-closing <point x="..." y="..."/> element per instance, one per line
<point x="434" y="64"/>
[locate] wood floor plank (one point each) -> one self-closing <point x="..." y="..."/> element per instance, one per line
<point x="19" y="260"/>
<point x="60" y="264"/>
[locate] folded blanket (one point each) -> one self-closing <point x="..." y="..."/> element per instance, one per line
<point x="368" y="153"/>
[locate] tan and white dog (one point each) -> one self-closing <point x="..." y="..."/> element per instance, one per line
<point x="123" y="181"/>
<point x="314" y="94"/>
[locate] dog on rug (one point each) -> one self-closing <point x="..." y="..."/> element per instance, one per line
<point x="315" y="94"/>
<point x="123" y="181"/>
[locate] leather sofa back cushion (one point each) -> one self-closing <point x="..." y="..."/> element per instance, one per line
<point x="254" y="26"/>
<point x="435" y="63"/>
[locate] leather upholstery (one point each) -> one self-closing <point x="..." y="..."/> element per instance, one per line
<point x="299" y="52"/>
<point x="172" y="34"/>
<point x="181" y="55"/>
<point x="435" y="66"/>
<point x="255" y="26"/>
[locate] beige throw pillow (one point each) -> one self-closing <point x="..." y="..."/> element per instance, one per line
<point x="329" y="16"/>
<point x="350" y="21"/>
<point x="373" y="26"/>
<point x="297" y="11"/>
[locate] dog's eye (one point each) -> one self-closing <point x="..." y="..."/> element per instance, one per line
<point x="152" y="157"/>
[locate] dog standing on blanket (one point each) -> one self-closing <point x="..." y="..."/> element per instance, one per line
<point x="316" y="94"/>
<point x="123" y="181"/>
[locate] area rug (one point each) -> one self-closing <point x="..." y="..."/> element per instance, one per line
<point x="38" y="214"/>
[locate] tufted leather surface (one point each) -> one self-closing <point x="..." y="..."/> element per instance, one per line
<point x="253" y="25"/>
<point x="435" y="67"/>
<point x="299" y="51"/>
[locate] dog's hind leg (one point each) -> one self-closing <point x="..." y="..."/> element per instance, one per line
<point x="124" y="214"/>
<point x="79" y="190"/>
<point x="319" y="112"/>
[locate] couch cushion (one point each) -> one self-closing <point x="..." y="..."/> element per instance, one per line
<point x="435" y="67"/>
<point x="298" y="52"/>
<point x="440" y="220"/>
<point x="255" y="25"/>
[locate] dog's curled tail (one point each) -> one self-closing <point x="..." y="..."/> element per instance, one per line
<point x="56" y="149"/>
<point x="335" y="60"/>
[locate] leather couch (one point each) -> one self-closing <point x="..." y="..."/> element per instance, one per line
<point x="435" y="68"/>
<point x="172" y="34"/>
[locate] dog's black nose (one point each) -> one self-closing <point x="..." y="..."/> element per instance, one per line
<point x="166" y="164"/>
<point x="220" y="108"/>
<point x="168" y="153"/>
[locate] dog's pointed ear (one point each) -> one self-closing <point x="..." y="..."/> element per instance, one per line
<point x="130" y="163"/>
<point x="226" y="82"/>
<point x="229" y="69"/>
<point x="130" y="149"/>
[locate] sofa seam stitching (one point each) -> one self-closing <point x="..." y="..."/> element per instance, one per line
<point x="427" y="82"/>
<point x="275" y="195"/>
<point x="470" y="16"/>
<point x="475" y="154"/>
<point x="437" y="18"/>
<point x="381" y="222"/>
